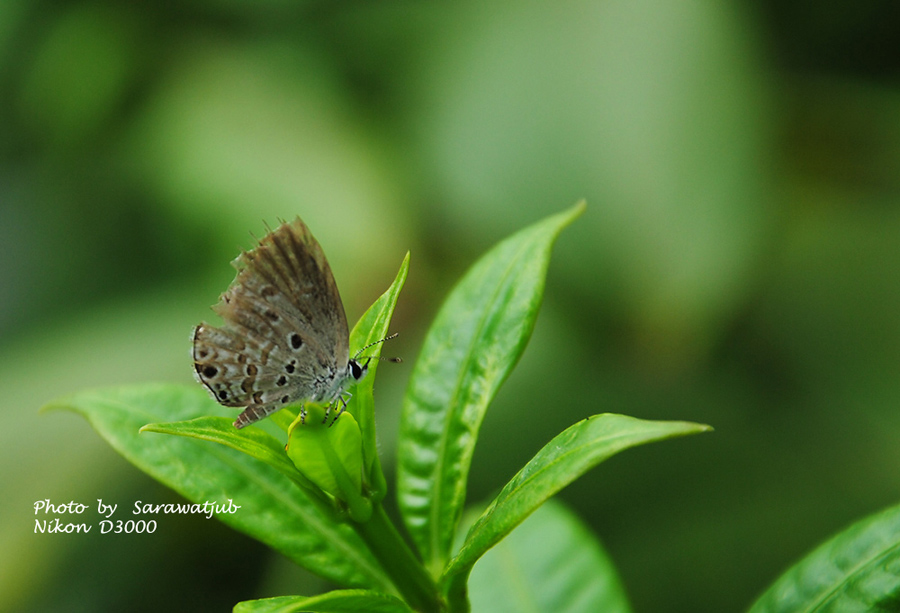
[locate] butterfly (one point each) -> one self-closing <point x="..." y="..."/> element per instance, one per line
<point x="284" y="339"/>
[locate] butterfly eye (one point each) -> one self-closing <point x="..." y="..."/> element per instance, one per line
<point x="356" y="370"/>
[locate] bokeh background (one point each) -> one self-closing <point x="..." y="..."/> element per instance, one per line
<point x="737" y="263"/>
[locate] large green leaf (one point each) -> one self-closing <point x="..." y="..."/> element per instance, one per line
<point x="857" y="570"/>
<point x="340" y="601"/>
<point x="371" y="328"/>
<point x="565" y="458"/>
<point x="273" y="509"/>
<point x="252" y="441"/>
<point x="475" y="341"/>
<point x="552" y="562"/>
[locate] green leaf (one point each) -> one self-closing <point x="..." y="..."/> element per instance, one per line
<point x="372" y="327"/>
<point x="340" y="601"/>
<point x="254" y="442"/>
<point x="856" y="570"/>
<point x="551" y="562"/>
<point x="307" y="442"/>
<point x="273" y="509"/>
<point x="568" y="456"/>
<point x="328" y="451"/>
<point x="476" y="340"/>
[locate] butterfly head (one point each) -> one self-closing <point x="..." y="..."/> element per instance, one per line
<point x="357" y="370"/>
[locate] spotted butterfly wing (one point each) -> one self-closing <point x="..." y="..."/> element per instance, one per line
<point x="284" y="339"/>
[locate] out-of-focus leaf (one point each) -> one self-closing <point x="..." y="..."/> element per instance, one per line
<point x="272" y="508"/>
<point x="551" y="562"/>
<point x="856" y="570"/>
<point x="523" y="101"/>
<point x="80" y="73"/>
<point x="473" y="344"/>
<point x="240" y="132"/>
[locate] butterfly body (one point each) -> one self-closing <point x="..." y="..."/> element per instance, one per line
<point x="285" y="338"/>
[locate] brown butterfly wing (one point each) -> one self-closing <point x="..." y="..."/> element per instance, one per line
<point x="285" y="333"/>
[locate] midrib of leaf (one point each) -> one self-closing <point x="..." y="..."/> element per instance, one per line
<point x="279" y="494"/>
<point x="437" y="554"/>
<point x="570" y="450"/>
<point x="833" y="592"/>
<point x="511" y="493"/>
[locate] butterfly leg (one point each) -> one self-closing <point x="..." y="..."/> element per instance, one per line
<point x="342" y="400"/>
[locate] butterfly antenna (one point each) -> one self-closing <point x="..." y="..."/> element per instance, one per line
<point x="386" y="338"/>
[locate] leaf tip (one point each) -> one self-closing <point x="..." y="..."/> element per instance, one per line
<point x="61" y="403"/>
<point x="51" y="406"/>
<point x="572" y="213"/>
<point x="158" y="428"/>
<point x="689" y="428"/>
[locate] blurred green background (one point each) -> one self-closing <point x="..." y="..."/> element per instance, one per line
<point x="737" y="264"/>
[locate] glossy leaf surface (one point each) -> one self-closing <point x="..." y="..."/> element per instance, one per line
<point x="273" y="509"/>
<point x="475" y="341"/>
<point x="565" y="458"/>
<point x="372" y="327"/>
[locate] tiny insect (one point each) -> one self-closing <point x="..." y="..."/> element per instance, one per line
<point x="284" y="339"/>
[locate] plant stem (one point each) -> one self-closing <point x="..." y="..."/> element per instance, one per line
<point x="406" y="571"/>
<point x="457" y="591"/>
